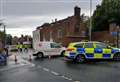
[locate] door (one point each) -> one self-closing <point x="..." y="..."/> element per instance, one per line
<point x="102" y="51"/>
<point x="89" y="50"/>
<point x="55" y="49"/>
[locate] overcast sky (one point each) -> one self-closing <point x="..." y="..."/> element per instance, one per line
<point x="23" y="16"/>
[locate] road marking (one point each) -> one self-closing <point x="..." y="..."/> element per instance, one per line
<point x="76" y="81"/>
<point x="45" y="69"/>
<point x="55" y="73"/>
<point x="66" y="78"/>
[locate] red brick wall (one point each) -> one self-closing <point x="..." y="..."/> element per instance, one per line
<point x="67" y="26"/>
<point x="102" y="36"/>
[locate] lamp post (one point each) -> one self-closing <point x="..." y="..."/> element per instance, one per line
<point x="90" y="28"/>
<point x="118" y="28"/>
<point x="4" y="32"/>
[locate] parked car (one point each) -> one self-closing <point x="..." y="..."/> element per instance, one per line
<point x="42" y="49"/>
<point x="3" y="59"/>
<point x="81" y="51"/>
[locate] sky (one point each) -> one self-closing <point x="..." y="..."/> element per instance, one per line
<point x="23" y="16"/>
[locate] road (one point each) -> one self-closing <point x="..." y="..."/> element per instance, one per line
<point x="58" y="70"/>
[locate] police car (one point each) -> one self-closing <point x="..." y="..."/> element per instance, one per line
<point x="80" y="51"/>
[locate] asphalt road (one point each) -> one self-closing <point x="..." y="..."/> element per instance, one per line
<point x="58" y="70"/>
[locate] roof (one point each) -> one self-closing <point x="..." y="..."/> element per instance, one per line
<point x="84" y="42"/>
<point x="69" y="18"/>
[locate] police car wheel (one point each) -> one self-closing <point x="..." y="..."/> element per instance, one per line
<point x="80" y="59"/>
<point x="40" y="55"/>
<point x="117" y="56"/>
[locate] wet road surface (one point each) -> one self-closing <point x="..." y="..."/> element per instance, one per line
<point x="58" y="70"/>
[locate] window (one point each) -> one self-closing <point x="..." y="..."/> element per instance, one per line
<point x="60" y="33"/>
<point x="79" y="45"/>
<point x="55" y="45"/>
<point x="89" y="45"/>
<point x="101" y="45"/>
<point x="51" y="39"/>
<point x="76" y="30"/>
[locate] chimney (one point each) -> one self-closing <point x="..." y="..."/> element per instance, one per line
<point x="77" y="11"/>
<point x="52" y="20"/>
<point x="56" y="20"/>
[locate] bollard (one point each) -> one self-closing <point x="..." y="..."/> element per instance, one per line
<point x="16" y="59"/>
<point x="30" y="59"/>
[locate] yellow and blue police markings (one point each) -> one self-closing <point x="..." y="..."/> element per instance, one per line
<point x="91" y="53"/>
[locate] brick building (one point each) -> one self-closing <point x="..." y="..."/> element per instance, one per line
<point x="71" y="29"/>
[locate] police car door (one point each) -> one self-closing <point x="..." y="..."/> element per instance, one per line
<point x="89" y="50"/>
<point x="103" y="50"/>
<point x="98" y="51"/>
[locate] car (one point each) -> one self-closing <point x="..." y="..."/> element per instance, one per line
<point x="3" y="59"/>
<point x="81" y="51"/>
<point x="48" y="48"/>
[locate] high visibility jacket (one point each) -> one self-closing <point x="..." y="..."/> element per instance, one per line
<point x="21" y="46"/>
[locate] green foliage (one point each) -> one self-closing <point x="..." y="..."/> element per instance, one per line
<point x="107" y="12"/>
<point x="1" y="35"/>
<point x="8" y="39"/>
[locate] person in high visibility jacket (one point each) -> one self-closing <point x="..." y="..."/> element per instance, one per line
<point x="25" y="46"/>
<point x="19" y="47"/>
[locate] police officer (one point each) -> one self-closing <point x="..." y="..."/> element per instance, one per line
<point x="25" y="48"/>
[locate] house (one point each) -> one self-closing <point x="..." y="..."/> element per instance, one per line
<point x="71" y="29"/>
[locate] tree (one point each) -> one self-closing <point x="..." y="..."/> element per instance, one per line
<point x="2" y="39"/>
<point x="107" y="12"/>
<point x="8" y="39"/>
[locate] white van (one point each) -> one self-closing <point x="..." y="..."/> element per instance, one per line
<point x="42" y="49"/>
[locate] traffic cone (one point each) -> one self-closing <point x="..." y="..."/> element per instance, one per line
<point x="16" y="59"/>
<point x="30" y="59"/>
<point x="49" y="57"/>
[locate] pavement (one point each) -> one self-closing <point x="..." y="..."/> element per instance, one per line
<point x="57" y="69"/>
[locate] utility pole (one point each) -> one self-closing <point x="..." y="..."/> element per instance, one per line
<point x="118" y="28"/>
<point x="90" y="28"/>
<point x="4" y="34"/>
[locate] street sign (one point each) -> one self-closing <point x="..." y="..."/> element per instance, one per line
<point x="114" y="33"/>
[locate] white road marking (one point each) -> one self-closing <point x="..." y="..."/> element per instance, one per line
<point x="66" y="78"/>
<point x="45" y="69"/>
<point x="76" y="81"/>
<point x="55" y="73"/>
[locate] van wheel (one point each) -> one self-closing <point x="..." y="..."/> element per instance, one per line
<point x="80" y="59"/>
<point x="40" y="55"/>
<point x="62" y="54"/>
<point x="116" y="57"/>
